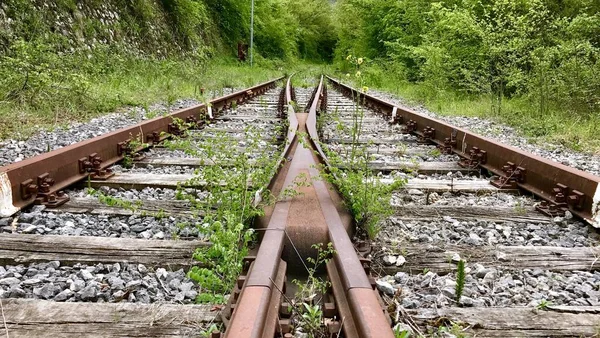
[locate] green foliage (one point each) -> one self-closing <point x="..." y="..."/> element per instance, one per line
<point x="310" y="292"/>
<point x="207" y="333"/>
<point x="34" y="74"/>
<point x="190" y="20"/>
<point x="315" y="35"/>
<point x="75" y="60"/>
<point x="399" y="333"/>
<point x="112" y="201"/>
<point x="531" y="63"/>
<point x="312" y="319"/>
<point x="365" y="194"/>
<point x="236" y="183"/>
<point x="223" y="259"/>
<point x="543" y="305"/>
<point x="460" y="280"/>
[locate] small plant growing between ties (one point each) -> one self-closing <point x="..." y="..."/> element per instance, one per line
<point x="233" y="193"/>
<point x="435" y="152"/>
<point x="543" y="305"/>
<point x="366" y="195"/>
<point x="460" y="280"/>
<point x="400" y="333"/>
<point x="520" y="208"/>
<point x="310" y="292"/>
<point x="133" y="146"/>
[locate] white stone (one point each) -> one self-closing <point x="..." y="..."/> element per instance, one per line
<point x="386" y="288"/>
<point x="389" y="260"/>
<point x="415" y="192"/>
<point x="501" y="256"/>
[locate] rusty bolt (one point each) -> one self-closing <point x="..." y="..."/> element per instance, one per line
<point x="44" y="188"/>
<point x="240" y="281"/>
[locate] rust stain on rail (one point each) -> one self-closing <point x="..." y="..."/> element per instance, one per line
<point x="295" y="223"/>
<point x="42" y="178"/>
<point x="563" y="188"/>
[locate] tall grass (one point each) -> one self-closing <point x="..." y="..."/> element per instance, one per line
<point x="54" y="94"/>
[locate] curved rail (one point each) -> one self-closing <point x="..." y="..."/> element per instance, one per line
<point x="356" y="299"/>
<point x="253" y="309"/>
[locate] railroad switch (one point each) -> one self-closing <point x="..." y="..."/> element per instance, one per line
<point x="93" y="165"/>
<point x="513" y="175"/>
<point x="42" y="192"/>
<point x="562" y="201"/>
<point x="475" y="158"/>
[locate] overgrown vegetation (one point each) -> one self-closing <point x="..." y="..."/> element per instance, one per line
<point x="365" y="194"/>
<point x="460" y="280"/>
<point x="533" y="64"/>
<point x="309" y="297"/>
<point x="64" y="61"/>
<point x="235" y="181"/>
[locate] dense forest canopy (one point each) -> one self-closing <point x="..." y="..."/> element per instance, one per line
<point x="544" y="49"/>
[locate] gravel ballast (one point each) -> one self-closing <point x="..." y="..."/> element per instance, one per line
<point x="507" y="135"/>
<point x="119" y="282"/>
<point x="16" y="150"/>
<point x="41" y="222"/>
<point x="494" y="287"/>
<point x="447" y="230"/>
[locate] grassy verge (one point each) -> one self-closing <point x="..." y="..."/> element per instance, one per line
<point x="574" y="131"/>
<point x="56" y="92"/>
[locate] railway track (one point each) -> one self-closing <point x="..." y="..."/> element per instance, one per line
<point x="110" y="265"/>
<point x="528" y="273"/>
<point x="108" y="256"/>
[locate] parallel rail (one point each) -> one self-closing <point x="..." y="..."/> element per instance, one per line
<point x="253" y="310"/>
<point x="42" y="178"/>
<point x="355" y="296"/>
<point x="562" y="187"/>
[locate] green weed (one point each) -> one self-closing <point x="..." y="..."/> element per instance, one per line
<point x="460" y="280"/>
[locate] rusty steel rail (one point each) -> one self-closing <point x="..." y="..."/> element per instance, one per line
<point x="41" y="179"/>
<point x="357" y="300"/>
<point x="254" y="307"/>
<point x="560" y="187"/>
